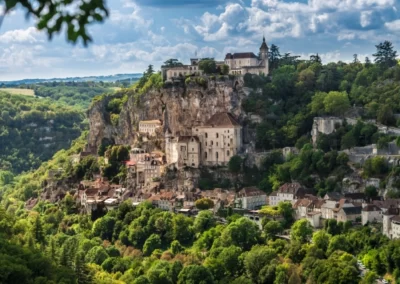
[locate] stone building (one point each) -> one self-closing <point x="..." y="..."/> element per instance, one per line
<point x="176" y="72"/>
<point x="325" y="125"/>
<point x="247" y="62"/>
<point x="220" y="139"/>
<point x="149" y="126"/>
<point x="188" y="151"/>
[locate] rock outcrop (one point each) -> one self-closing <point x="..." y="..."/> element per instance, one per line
<point x="179" y="107"/>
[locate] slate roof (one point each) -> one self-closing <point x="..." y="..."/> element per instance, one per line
<point x="371" y="208"/>
<point x="264" y="44"/>
<point x="336" y="196"/>
<point x="240" y="55"/>
<point x="357" y="195"/>
<point x="250" y="191"/>
<point x="352" y="210"/>
<point x="290" y="188"/>
<point x="222" y="119"/>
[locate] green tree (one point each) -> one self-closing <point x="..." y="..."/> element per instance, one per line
<point x="208" y="65"/>
<point x="301" y="231"/>
<point x="6" y="177"/>
<point x="336" y="103"/>
<point x="204" y="204"/>
<point x="272" y="228"/>
<point x="195" y="274"/>
<point x="235" y="164"/>
<point x="225" y="69"/>
<point x="348" y="141"/>
<point x="274" y="56"/>
<point x="55" y="16"/>
<point x="176" y="247"/>
<point x="152" y="243"/>
<point x="385" y="55"/>
<point x="385" y="115"/>
<point x="204" y="221"/>
<point x="257" y="258"/>
<point x="104" y="227"/>
<point x="172" y="63"/>
<point x="38" y="231"/>
<point x="321" y="240"/>
<point x="317" y="103"/>
<point x="96" y="255"/>
<point x="242" y="233"/>
<point x="82" y="272"/>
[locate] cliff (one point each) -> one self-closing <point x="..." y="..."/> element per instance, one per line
<point x="179" y="107"/>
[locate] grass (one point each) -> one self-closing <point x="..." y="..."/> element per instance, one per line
<point x="16" y="91"/>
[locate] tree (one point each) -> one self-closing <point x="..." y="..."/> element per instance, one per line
<point x="235" y="164"/>
<point x="204" y="221"/>
<point x="204" y="204"/>
<point x="208" y="65"/>
<point x="301" y="231"/>
<point x="272" y="228"/>
<point x="371" y="192"/>
<point x="385" y="55"/>
<point x="150" y="70"/>
<point x="242" y="233"/>
<point x="321" y="240"/>
<point x="385" y="115"/>
<point x="225" y="69"/>
<point x="96" y="255"/>
<point x="172" y="62"/>
<point x="55" y="16"/>
<point x="257" y="258"/>
<point x="367" y="62"/>
<point x="315" y="59"/>
<point x="182" y="228"/>
<point x="348" y="140"/>
<point x="152" y="243"/>
<point x="6" y="177"/>
<point x="317" y="103"/>
<point x="104" y="227"/>
<point x="195" y="274"/>
<point x="336" y="103"/>
<point x="176" y="247"/>
<point x="82" y="272"/>
<point x="38" y="232"/>
<point x="274" y="56"/>
<point x="355" y="59"/>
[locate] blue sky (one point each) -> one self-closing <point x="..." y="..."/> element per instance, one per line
<point x="142" y="32"/>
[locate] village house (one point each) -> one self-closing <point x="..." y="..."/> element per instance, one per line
<point x="287" y="192"/>
<point x="371" y="214"/>
<point x="149" y="126"/>
<point x="352" y="214"/>
<point x="247" y="62"/>
<point x="391" y="224"/>
<point x="250" y="198"/>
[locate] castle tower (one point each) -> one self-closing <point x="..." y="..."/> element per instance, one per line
<point x="264" y="56"/>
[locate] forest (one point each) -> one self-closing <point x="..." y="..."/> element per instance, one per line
<point x="32" y="130"/>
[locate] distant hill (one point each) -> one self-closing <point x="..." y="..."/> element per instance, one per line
<point x="109" y="78"/>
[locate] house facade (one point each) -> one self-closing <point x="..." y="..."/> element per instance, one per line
<point x="149" y="126"/>
<point x="250" y="198"/>
<point x="188" y="151"/>
<point x="247" y="62"/>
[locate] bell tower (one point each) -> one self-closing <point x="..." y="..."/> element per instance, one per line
<point x="264" y="56"/>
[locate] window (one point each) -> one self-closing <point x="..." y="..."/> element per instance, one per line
<point x="192" y="149"/>
<point x="228" y="131"/>
<point x="206" y="135"/>
<point x="216" y="155"/>
<point x="212" y="143"/>
<point x="217" y="135"/>
<point x="227" y="153"/>
<point x="205" y="155"/>
<point x="206" y="143"/>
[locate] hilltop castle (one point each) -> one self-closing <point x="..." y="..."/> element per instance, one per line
<point x="239" y="63"/>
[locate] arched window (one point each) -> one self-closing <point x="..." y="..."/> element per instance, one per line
<point x="206" y="135"/>
<point x="227" y="153"/>
<point x="217" y="135"/>
<point x="216" y="155"/>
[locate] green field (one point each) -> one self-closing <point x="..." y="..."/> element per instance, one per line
<point x="16" y="91"/>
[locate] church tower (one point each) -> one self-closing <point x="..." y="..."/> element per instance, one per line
<point x="264" y="56"/>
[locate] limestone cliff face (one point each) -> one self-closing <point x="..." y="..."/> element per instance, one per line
<point x="179" y="107"/>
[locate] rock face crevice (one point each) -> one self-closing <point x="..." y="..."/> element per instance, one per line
<point x="179" y="107"/>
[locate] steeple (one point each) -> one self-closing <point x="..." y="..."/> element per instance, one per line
<point x="264" y="45"/>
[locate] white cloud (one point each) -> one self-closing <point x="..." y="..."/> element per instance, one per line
<point x="135" y="18"/>
<point x="29" y="35"/>
<point x="346" y="36"/>
<point x="393" y="26"/>
<point x="365" y="18"/>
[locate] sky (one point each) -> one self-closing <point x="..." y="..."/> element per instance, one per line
<point x="143" y="32"/>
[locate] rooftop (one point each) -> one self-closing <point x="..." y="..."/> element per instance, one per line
<point x="352" y="210"/>
<point x="186" y="139"/>
<point x="290" y="188"/>
<point x="222" y="119"/>
<point x="240" y="55"/>
<point x="250" y="191"/>
<point x="150" y="121"/>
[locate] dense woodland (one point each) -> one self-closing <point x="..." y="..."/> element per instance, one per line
<point x="32" y="130"/>
<point x="53" y="243"/>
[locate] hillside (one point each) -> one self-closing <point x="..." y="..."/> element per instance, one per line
<point x="32" y="130"/>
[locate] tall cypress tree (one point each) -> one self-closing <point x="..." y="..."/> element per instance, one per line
<point x="82" y="271"/>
